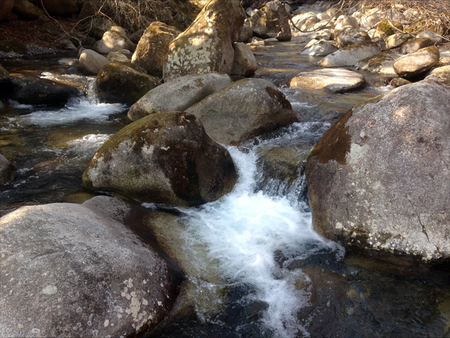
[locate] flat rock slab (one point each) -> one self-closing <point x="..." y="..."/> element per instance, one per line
<point x="71" y="270"/>
<point x="350" y="55"/>
<point x="333" y="80"/>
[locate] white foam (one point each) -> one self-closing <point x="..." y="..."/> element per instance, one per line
<point x="78" y="109"/>
<point x="243" y="231"/>
<point x="87" y="145"/>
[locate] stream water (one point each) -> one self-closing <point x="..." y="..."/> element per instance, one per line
<point x="280" y="278"/>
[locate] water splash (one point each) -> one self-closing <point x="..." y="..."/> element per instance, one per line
<point x="244" y="231"/>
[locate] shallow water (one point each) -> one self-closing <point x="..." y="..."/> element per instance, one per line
<point x="276" y="276"/>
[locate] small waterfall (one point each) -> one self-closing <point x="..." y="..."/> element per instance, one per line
<point x="254" y="237"/>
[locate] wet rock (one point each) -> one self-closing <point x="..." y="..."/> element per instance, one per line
<point x="417" y="63"/>
<point x="207" y="45"/>
<point x="6" y="8"/>
<point x="396" y="40"/>
<point x="31" y="90"/>
<point x="112" y="41"/>
<point x="118" y="82"/>
<point x="153" y="47"/>
<point x="178" y="94"/>
<point x="91" y="62"/>
<point x="350" y="55"/>
<point x="244" y="62"/>
<point x="243" y="110"/>
<point x="62" y="7"/>
<point x="163" y="158"/>
<point x="336" y="80"/>
<point x="7" y="170"/>
<point x="351" y="36"/>
<point x="77" y="270"/>
<point x="25" y="9"/>
<point x="382" y="63"/>
<point x="321" y="48"/>
<point x="413" y="45"/>
<point x="377" y="179"/>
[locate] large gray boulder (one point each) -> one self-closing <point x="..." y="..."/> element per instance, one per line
<point x="379" y="179"/>
<point x="243" y="110"/>
<point x="118" y="82"/>
<point x="272" y="21"/>
<point x="163" y="158"/>
<point x="350" y="55"/>
<point x="335" y="80"/>
<point x="153" y="47"/>
<point x="178" y="94"/>
<point x="417" y="63"/>
<point x="207" y="45"/>
<point x="76" y="271"/>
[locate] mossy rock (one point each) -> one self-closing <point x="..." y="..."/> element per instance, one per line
<point x="163" y="158"/>
<point x="117" y="82"/>
<point x="386" y="28"/>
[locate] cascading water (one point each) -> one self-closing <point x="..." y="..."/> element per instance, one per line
<point x="245" y="232"/>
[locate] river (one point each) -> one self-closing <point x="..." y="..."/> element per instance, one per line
<point x="276" y="276"/>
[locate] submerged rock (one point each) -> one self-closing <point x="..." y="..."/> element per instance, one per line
<point x="207" y="45"/>
<point x="117" y="82"/>
<point x="31" y="90"/>
<point x="243" y="110"/>
<point x="178" y="94"/>
<point x="76" y="270"/>
<point x="163" y="158"/>
<point x="336" y="80"/>
<point x="378" y="179"/>
<point x="350" y="55"/>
